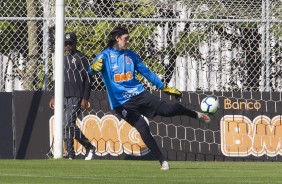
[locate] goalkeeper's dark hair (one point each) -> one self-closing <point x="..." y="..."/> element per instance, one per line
<point x="117" y="31"/>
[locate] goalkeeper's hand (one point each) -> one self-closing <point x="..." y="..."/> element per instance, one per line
<point x="173" y="91"/>
<point x="97" y="66"/>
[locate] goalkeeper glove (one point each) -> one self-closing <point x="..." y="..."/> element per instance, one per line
<point x="173" y="91"/>
<point x="97" y="66"/>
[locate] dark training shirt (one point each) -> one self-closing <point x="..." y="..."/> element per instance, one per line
<point x="77" y="82"/>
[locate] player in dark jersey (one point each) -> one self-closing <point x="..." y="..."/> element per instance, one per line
<point x="128" y="97"/>
<point x="77" y="90"/>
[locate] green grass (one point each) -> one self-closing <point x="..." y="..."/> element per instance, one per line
<point x="134" y="172"/>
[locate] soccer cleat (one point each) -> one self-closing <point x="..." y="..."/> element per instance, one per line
<point x="89" y="154"/>
<point x="203" y="117"/>
<point x="165" y="166"/>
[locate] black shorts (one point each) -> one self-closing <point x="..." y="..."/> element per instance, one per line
<point x="143" y="104"/>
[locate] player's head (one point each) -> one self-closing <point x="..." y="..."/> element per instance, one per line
<point x="119" y="38"/>
<point x="70" y="42"/>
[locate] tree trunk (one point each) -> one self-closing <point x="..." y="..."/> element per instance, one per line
<point x="32" y="60"/>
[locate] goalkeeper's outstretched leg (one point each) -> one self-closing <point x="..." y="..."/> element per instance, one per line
<point x="168" y="109"/>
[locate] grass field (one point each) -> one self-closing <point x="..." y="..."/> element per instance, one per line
<point x="133" y="172"/>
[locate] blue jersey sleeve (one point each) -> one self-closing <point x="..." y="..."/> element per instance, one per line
<point x="148" y="74"/>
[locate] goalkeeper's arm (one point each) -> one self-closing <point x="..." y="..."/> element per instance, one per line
<point x="153" y="78"/>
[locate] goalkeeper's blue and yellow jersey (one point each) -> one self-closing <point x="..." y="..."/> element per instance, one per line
<point x="118" y="73"/>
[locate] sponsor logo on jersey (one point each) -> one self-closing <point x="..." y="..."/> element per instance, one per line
<point x="68" y="36"/>
<point x="123" y="77"/>
<point x="73" y="60"/>
<point x="112" y="55"/>
<point x="128" y="60"/>
<point x="130" y="93"/>
<point x="115" y="66"/>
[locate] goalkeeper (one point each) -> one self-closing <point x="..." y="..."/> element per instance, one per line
<point x="127" y="95"/>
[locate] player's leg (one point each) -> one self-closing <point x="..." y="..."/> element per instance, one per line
<point x="168" y="109"/>
<point x="136" y="120"/>
<point x="143" y="128"/>
<point x="68" y="132"/>
<point x="80" y="137"/>
<point x="150" y="106"/>
<point x="77" y="133"/>
<point x="69" y="142"/>
<point x="71" y="129"/>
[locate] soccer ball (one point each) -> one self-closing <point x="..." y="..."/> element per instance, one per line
<point x="210" y="105"/>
